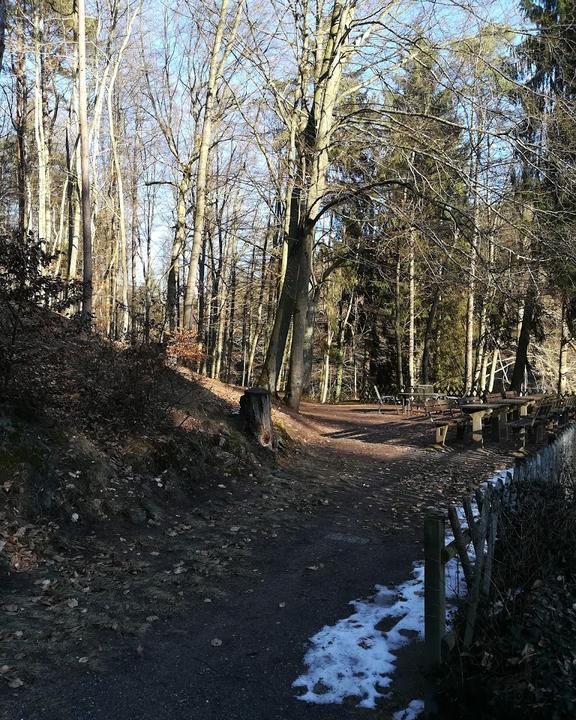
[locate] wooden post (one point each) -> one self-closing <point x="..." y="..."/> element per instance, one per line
<point x="474" y="591"/>
<point x="461" y="545"/>
<point x="256" y="412"/>
<point x="434" y="587"/>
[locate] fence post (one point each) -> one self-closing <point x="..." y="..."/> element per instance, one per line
<point x="434" y="587"/>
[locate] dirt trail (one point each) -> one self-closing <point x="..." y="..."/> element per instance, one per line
<point x="333" y="519"/>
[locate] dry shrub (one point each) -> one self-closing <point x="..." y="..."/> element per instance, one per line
<point x="182" y="347"/>
<point x="523" y="660"/>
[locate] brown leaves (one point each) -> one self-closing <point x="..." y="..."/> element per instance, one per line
<point x="183" y="347"/>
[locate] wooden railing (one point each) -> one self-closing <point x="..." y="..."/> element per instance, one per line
<point x="479" y="530"/>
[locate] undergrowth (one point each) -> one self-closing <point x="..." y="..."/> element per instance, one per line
<point x="522" y="663"/>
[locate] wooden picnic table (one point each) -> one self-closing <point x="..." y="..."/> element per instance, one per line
<point x="500" y="418"/>
<point x="407" y="396"/>
<point x="477" y="412"/>
<point x="502" y="408"/>
<point x="520" y="403"/>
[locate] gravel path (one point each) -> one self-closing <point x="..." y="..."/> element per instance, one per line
<point x="326" y="525"/>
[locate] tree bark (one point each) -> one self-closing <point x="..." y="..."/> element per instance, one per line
<point x="428" y="337"/>
<point x="411" y="309"/>
<point x="177" y="245"/>
<point x="256" y="413"/>
<point x="87" y="289"/>
<point x="2" y="30"/>
<point x="217" y="60"/>
<point x="398" y="320"/>
<point x="342" y="324"/>
<point x="20" y="120"/>
<point x="521" y="361"/>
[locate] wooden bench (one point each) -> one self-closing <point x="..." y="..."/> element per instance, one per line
<point x="383" y="400"/>
<point x="448" y="415"/>
<point x="421" y="396"/>
<point x="533" y="425"/>
<point x="564" y="411"/>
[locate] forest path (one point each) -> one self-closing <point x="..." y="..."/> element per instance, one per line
<point x="331" y="521"/>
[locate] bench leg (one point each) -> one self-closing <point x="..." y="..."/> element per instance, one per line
<point x="441" y="433"/>
<point x="477" y="429"/>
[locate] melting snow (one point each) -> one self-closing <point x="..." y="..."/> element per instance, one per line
<point x="411" y="712"/>
<point x="354" y="658"/>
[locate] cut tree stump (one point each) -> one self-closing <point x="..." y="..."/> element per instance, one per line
<point x="256" y="413"/>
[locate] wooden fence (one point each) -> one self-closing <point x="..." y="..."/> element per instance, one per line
<point x="475" y="525"/>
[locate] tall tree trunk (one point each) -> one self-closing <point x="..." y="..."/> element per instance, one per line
<point x="411" y="309"/>
<point x="325" y="386"/>
<point x="297" y="368"/>
<point x="20" y="120"/>
<point x="313" y="298"/>
<point x="257" y="329"/>
<point x="218" y="57"/>
<point x="111" y="97"/>
<point x="123" y="250"/>
<point x="470" y="309"/>
<point x="2" y="30"/>
<point x="428" y="337"/>
<point x="231" y="322"/>
<point x="344" y="316"/>
<point x="521" y="361"/>
<point x="398" y="320"/>
<point x="84" y="164"/>
<point x="561" y="386"/>
<point x="177" y="246"/>
<point x="270" y="374"/>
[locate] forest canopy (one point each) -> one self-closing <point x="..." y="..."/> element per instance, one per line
<point x="314" y="196"/>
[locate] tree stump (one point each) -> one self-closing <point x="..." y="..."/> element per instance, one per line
<point x="256" y="413"/>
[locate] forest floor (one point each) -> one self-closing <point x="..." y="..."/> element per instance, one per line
<point x="207" y="613"/>
<point x="174" y="571"/>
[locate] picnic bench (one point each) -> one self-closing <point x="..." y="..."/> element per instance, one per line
<point x="444" y="414"/>
<point x="533" y="425"/>
<point x="383" y="400"/>
<point x="529" y="417"/>
<point x="418" y="396"/>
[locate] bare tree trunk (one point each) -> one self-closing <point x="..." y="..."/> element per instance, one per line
<point x="231" y="322"/>
<point x="411" y="309"/>
<point x="84" y="164"/>
<point x="297" y="368"/>
<point x="561" y="387"/>
<point x="398" y="321"/>
<point x="470" y="307"/>
<point x="118" y="173"/>
<point x="218" y="57"/>
<point x="521" y="361"/>
<point x="428" y="336"/>
<point x="270" y="374"/>
<point x="121" y="210"/>
<point x="492" y="377"/>
<point x="134" y="231"/>
<point x="257" y="330"/>
<point x="343" y="319"/>
<point x="177" y="245"/>
<point x="20" y="121"/>
<point x="2" y="30"/>
<point x="41" y="145"/>
<point x="325" y="386"/>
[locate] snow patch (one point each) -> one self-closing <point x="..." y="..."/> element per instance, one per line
<point x="411" y="712"/>
<point x="354" y="658"/>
